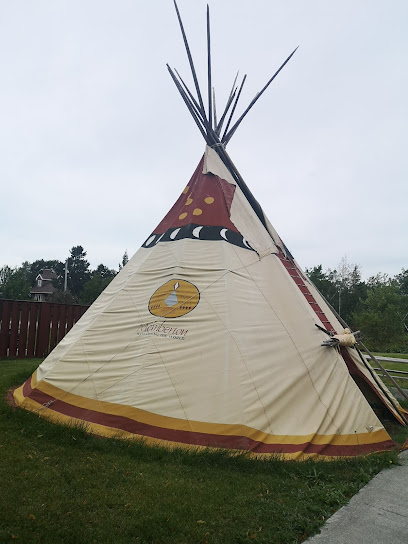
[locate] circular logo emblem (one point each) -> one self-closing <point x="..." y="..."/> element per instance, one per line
<point x="174" y="299"/>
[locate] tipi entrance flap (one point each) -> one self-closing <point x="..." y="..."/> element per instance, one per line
<point x="352" y="358"/>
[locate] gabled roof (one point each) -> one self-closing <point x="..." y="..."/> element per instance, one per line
<point x="46" y="288"/>
<point x="47" y="274"/>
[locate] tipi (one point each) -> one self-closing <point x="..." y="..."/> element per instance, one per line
<point x="208" y="336"/>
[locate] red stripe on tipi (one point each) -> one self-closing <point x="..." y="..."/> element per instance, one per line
<point x="296" y="274"/>
<point x="197" y="438"/>
<point x="298" y="277"/>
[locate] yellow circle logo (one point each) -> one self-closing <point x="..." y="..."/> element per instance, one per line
<point x="174" y="299"/>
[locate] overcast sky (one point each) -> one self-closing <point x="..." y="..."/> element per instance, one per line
<point x="96" y="143"/>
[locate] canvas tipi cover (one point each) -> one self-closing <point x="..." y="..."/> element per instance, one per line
<point x="207" y="337"/>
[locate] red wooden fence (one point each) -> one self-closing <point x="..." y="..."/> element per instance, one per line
<point x="33" y="329"/>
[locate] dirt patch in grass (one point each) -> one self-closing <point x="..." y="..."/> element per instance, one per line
<point x="9" y="397"/>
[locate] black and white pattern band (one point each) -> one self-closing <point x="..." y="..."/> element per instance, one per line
<point x="198" y="232"/>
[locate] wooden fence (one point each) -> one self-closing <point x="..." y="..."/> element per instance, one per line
<point x="395" y="373"/>
<point x="33" y="329"/>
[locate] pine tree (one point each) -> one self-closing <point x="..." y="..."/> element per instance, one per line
<point x="78" y="270"/>
<point x="125" y="260"/>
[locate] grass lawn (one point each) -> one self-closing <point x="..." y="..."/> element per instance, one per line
<point x="60" y="485"/>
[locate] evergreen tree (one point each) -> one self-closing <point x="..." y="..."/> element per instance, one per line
<point x="343" y="287"/>
<point x="402" y="281"/>
<point x="78" y="271"/>
<point x="323" y="281"/>
<point x="94" y="288"/>
<point x="125" y="260"/>
<point x="100" y="279"/>
<point x="104" y="272"/>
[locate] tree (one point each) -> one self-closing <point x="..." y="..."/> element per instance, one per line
<point x="5" y="275"/>
<point x="14" y="284"/>
<point x="100" y="279"/>
<point x="351" y="290"/>
<point x="343" y="287"/>
<point x="63" y="297"/>
<point x="125" y="260"/>
<point x="402" y="281"/>
<point x="380" y="318"/>
<point x="378" y="280"/>
<point x="33" y="269"/>
<point x="94" y="288"/>
<point x="78" y="272"/>
<point x="104" y="272"/>
<point x="323" y="281"/>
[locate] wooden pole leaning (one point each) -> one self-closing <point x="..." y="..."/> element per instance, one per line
<point x="383" y="370"/>
<point x="210" y="115"/>
<point x="190" y="60"/>
<point x="227" y="137"/>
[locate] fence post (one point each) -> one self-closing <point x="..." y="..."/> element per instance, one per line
<point x="55" y="314"/>
<point x="43" y="338"/>
<point x="14" y="328"/>
<point x="5" y="326"/>
<point x="23" y="339"/>
<point x="32" y="332"/>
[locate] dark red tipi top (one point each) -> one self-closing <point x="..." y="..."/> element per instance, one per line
<point x="202" y="212"/>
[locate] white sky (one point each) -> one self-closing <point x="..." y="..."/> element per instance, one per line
<point x="96" y="143"/>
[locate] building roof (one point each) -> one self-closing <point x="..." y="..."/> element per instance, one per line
<point x="47" y="274"/>
<point x="46" y="288"/>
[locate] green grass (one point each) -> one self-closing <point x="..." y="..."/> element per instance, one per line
<point x="388" y="365"/>
<point x="61" y="485"/>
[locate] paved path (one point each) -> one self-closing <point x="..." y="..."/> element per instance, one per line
<point x="378" y="514"/>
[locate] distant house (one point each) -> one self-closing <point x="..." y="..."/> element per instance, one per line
<point x="43" y="287"/>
